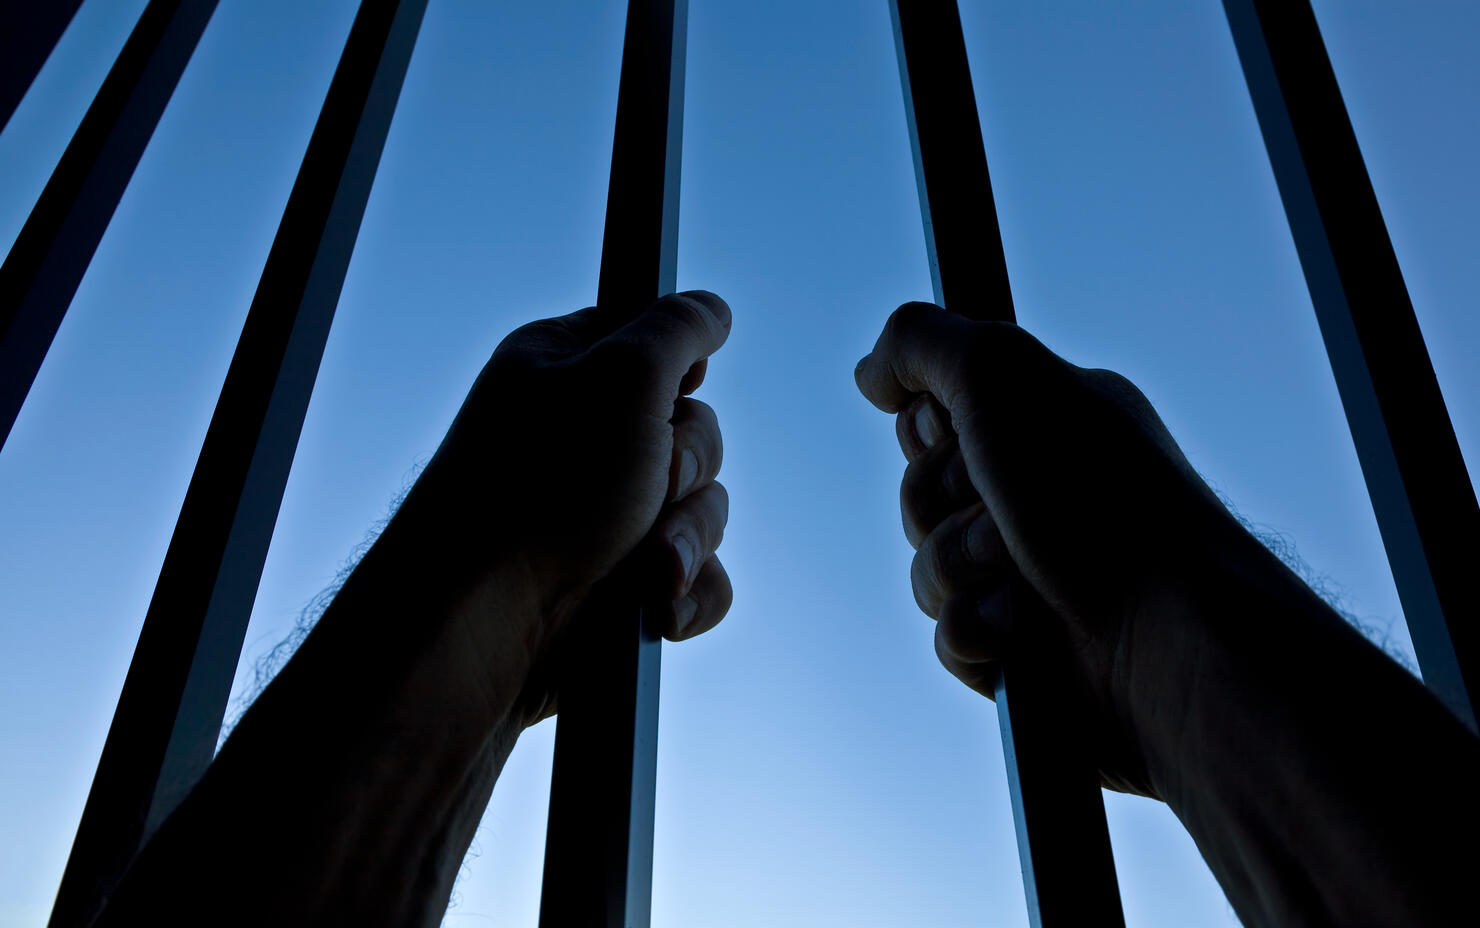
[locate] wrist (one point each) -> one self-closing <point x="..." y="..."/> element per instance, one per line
<point x="1206" y="637"/>
<point x="462" y="623"/>
<point x="1277" y="733"/>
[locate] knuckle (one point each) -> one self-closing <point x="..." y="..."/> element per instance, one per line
<point x="701" y="432"/>
<point x="943" y="651"/>
<point x="919" y="574"/>
<point x="716" y="502"/>
<point x="716" y="594"/>
<point x="927" y="556"/>
<point x="953" y="623"/>
<point x="907" y="316"/>
<point x="716" y="452"/>
<point x="685" y="311"/>
<point x="706" y="513"/>
<point x="708" y="420"/>
<point x="696" y="413"/>
<point x="926" y="577"/>
<point x="933" y="485"/>
<point x="913" y="504"/>
<point x="1117" y="387"/>
<point x="724" y="596"/>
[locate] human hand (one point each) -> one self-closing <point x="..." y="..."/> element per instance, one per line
<point x="578" y="449"/>
<point x="1043" y="493"/>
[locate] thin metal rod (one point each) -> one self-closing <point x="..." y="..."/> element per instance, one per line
<point x="28" y="34"/>
<point x="169" y="714"/>
<point x="1416" y="477"/>
<point x="52" y="252"/>
<point x="1063" y="839"/>
<point x="599" y="843"/>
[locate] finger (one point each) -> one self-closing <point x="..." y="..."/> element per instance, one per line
<point x="924" y="349"/>
<point x="979" y="676"/>
<point x="694" y="378"/>
<point x="922" y="425"/>
<point x="976" y="626"/>
<point x="669" y="337"/>
<point x="687" y="533"/>
<point x="708" y="600"/>
<point x="935" y="485"/>
<point x="919" y="351"/>
<point x="590" y="325"/>
<point x="561" y="336"/>
<point x="963" y="552"/>
<point x="975" y="632"/>
<point x="698" y="449"/>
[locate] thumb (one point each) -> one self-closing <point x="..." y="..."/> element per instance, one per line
<point x="920" y="351"/>
<point x="671" y="336"/>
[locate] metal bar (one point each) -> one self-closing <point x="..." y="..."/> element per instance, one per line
<point x="169" y="714"/>
<point x="599" y="842"/>
<point x="1063" y="839"/>
<point x="1416" y="477"/>
<point x="28" y="33"/>
<point x="49" y="257"/>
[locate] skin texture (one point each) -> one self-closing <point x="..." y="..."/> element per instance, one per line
<point x="1322" y="782"/>
<point x="350" y="791"/>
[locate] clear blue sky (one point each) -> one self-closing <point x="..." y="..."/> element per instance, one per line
<point x="817" y="767"/>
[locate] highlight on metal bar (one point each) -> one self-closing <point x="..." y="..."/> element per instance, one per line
<point x="169" y="714"/>
<point x="599" y="842"/>
<point x="45" y="265"/>
<point x="1063" y="839"/>
<point x="1415" y="474"/>
<point x="28" y="34"/>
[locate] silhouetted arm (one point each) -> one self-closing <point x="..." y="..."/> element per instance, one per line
<point x="350" y="790"/>
<point x="1322" y="783"/>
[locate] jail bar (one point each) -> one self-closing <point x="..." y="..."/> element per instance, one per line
<point x="28" y="34"/>
<point x="1063" y="839"/>
<point x="169" y="714"/>
<point x="599" y="842"/>
<point x="1416" y="477"/>
<point x="49" y="257"/>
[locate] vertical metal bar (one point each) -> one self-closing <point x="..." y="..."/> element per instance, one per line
<point x="169" y="714"/>
<point x="599" y="843"/>
<point x="1416" y="477"/>
<point x="28" y="33"/>
<point x="49" y="257"/>
<point x="1063" y="840"/>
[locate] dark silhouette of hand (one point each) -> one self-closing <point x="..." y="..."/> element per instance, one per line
<point x="1041" y="492"/>
<point x="578" y="449"/>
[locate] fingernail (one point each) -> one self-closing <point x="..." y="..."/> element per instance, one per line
<point x="926" y="426"/>
<point x="688" y="471"/>
<point x="684" y="547"/>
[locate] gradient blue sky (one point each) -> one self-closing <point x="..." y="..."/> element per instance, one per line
<point x="816" y="766"/>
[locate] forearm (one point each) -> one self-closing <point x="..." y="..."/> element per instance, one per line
<point x="350" y="790"/>
<point x="1322" y="783"/>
